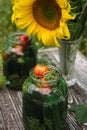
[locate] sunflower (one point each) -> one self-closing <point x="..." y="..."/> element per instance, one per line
<point x="47" y="19"/>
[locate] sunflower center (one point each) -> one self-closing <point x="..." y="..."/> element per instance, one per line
<point x="47" y="13"/>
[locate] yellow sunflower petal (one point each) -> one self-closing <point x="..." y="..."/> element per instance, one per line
<point x="63" y="31"/>
<point x="43" y="35"/>
<point x="16" y="7"/>
<point x="62" y="3"/>
<point x="20" y="14"/>
<point x="23" y="23"/>
<point x="40" y="33"/>
<point x="12" y="18"/>
<point x="59" y="33"/>
<point x="45" y="38"/>
<point x="53" y="39"/>
<point x="50" y="38"/>
<point x="66" y="32"/>
<point x="15" y="1"/>
<point x="68" y="8"/>
<point x="56" y="42"/>
<point x="66" y="16"/>
<point x="27" y="2"/>
<point x="36" y="30"/>
<point x="32" y="27"/>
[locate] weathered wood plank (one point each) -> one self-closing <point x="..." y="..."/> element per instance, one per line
<point x="11" y="110"/>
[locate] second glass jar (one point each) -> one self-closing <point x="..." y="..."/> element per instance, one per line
<point x="19" y="56"/>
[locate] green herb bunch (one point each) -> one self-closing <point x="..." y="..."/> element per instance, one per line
<point x="34" y="124"/>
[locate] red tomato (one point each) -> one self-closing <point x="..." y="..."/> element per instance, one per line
<point x="24" y="40"/>
<point x="40" y="70"/>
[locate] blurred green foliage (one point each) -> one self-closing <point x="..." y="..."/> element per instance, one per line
<point x="6" y="25"/>
<point x="83" y="44"/>
<point x="5" y="19"/>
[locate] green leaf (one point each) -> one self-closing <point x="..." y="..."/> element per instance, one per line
<point x="80" y="113"/>
<point x="63" y="87"/>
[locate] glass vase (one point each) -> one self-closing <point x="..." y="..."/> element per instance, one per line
<point x="67" y="57"/>
<point x="19" y="56"/>
<point x="45" y="103"/>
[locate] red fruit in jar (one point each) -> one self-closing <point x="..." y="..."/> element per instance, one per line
<point x="18" y="50"/>
<point x="24" y="40"/>
<point x="40" y="70"/>
<point x="45" y="83"/>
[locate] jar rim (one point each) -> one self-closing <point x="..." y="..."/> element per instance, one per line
<point x="69" y="42"/>
<point x="14" y="37"/>
<point x="48" y="81"/>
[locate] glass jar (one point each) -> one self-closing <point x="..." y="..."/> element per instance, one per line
<point x="45" y="101"/>
<point x="67" y="58"/>
<point x="19" y="56"/>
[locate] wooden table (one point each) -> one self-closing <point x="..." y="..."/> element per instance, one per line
<point x="11" y="101"/>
